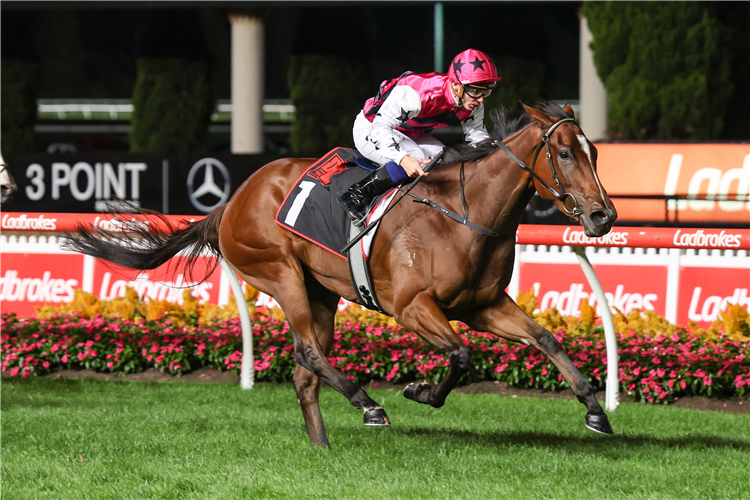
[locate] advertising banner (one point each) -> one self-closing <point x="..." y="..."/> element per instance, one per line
<point x="564" y="286"/>
<point x="718" y="171"/>
<point x="94" y="182"/>
<point x="167" y="282"/>
<point x="28" y="280"/>
<point x="706" y="291"/>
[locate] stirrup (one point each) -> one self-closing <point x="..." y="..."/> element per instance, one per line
<point x="351" y="207"/>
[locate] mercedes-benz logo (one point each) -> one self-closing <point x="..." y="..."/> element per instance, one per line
<point x="208" y="190"/>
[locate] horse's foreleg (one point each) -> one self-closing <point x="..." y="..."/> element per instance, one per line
<point x="427" y="319"/>
<point x="507" y="320"/>
<point x="307" y="387"/>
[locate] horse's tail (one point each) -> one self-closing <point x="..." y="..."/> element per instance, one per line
<point x="143" y="249"/>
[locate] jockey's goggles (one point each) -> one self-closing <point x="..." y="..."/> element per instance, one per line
<point x="477" y="92"/>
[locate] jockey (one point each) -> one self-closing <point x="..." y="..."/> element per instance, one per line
<point x="393" y="129"/>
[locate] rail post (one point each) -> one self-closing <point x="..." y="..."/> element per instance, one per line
<point x="247" y="372"/>
<point x="613" y="370"/>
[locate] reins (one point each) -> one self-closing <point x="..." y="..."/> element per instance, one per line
<point x="463" y="220"/>
<point x="562" y="195"/>
<point x="418" y="199"/>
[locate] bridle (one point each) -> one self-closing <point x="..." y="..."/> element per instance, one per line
<point x="562" y="195"/>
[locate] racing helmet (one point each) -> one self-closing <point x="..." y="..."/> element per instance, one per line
<point x="473" y="67"/>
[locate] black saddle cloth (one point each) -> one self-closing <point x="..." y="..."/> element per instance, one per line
<point x="311" y="209"/>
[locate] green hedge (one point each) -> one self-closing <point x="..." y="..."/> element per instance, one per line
<point x="327" y="92"/>
<point x="19" y="90"/>
<point x="665" y="66"/>
<point x="172" y="107"/>
<point x="522" y="80"/>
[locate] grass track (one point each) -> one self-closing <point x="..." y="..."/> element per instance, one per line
<point x="204" y="440"/>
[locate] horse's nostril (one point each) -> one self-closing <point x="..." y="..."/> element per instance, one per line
<point x="599" y="218"/>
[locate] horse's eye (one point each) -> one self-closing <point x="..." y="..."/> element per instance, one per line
<point x="564" y="154"/>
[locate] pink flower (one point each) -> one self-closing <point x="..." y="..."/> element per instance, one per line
<point x="14" y="371"/>
<point x="501" y="368"/>
<point x="682" y="384"/>
<point x="64" y="359"/>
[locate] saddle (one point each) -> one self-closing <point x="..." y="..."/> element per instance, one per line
<point x="311" y="211"/>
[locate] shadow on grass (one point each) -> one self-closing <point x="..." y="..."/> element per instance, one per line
<point x="592" y="443"/>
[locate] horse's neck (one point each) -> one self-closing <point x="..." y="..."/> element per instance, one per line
<point x="498" y="189"/>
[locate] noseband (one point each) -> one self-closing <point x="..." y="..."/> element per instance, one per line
<point x="562" y="195"/>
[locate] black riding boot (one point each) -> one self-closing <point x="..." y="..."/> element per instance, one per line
<point x="357" y="198"/>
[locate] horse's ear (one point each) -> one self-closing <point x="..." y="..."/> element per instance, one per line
<point x="569" y="110"/>
<point x="540" y="118"/>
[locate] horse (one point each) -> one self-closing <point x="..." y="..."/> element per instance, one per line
<point x="8" y="186"/>
<point x="427" y="269"/>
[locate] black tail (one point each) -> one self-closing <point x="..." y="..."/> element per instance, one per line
<point x="143" y="249"/>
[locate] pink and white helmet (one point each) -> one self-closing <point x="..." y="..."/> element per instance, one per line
<point x="472" y="67"/>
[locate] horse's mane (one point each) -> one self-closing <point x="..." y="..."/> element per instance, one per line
<point x="504" y="124"/>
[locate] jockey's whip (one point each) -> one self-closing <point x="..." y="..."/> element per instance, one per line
<point x="374" y="223"/>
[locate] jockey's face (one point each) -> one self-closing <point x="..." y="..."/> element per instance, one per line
<point x="468" y="102"/>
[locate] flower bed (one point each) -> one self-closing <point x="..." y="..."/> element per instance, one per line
<point x="655" y="366"/>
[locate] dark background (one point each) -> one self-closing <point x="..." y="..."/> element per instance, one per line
<point x="88" y="49"/>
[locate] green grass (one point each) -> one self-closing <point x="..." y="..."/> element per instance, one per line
<point x="205" y="440"/>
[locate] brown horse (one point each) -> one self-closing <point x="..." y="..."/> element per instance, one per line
<point x="427" y="269"/>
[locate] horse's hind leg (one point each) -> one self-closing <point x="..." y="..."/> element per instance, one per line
<point x="306" y="321"/>
<point x="426" y="318"/>
<point x="507" y="320"/>
<point x="306" y="383"/>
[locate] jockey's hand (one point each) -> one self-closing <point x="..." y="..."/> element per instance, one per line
<point x="413" y="166"/>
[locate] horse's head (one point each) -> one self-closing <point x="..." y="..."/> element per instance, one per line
<point x="570" y="172"/>
<point x="8" y="185"/>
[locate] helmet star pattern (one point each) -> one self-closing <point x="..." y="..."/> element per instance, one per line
<point x="472" y="67"/>
<point x="478" y="64"/>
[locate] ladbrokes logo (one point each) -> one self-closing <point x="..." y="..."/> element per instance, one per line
<point x="707" y="308"/>
<point x="701" y="239"/>
<point x="22" y="222"/>
<point x="569" y="302"/>
<point x="117" y="225"/>
<point x="577" y="238"/>
<point x="44" y="289"/>
<point x="169" y="290"/>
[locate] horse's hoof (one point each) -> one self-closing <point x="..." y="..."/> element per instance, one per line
<point x="418" y="392"/>
<point x="598" y="423"/>
<point x="376" y="417"/>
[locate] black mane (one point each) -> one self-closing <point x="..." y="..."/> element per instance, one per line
<point x="504" y="124"/>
